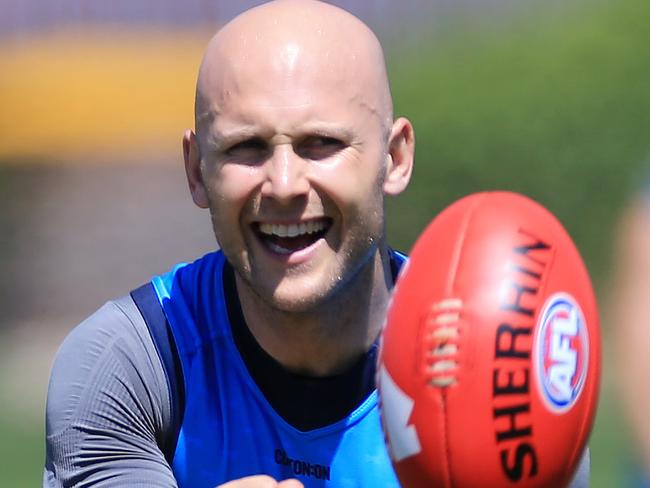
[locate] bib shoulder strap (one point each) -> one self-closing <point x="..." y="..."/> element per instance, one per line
<point x="146" y="300"/>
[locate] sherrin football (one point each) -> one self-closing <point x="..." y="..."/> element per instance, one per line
<point x="489" y="366"/>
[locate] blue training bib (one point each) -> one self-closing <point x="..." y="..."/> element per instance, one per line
<point x="229" y="430"/>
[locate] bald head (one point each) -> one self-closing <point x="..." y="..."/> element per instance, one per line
<point x="288" y="52"/>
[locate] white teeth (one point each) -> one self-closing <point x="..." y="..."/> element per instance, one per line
<point x="316" y="226"/>
<point x="292" y="230"/>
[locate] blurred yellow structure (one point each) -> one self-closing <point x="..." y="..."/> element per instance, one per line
<point x="97" y="92"/>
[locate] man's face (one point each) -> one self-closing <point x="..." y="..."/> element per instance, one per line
<point x="293" y="165"/>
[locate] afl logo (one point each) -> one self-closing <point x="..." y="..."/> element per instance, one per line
<point x="562" y="352"/>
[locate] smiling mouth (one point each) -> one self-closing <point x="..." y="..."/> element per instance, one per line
<point x="290" y="238"/>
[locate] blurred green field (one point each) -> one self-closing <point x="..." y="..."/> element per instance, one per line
<point x="22" y="448"/>
<point x="553" y="103"/>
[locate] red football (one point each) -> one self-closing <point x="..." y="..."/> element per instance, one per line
<point x="490" y="360"/>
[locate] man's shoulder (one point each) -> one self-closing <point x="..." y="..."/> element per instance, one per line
<point x="106" y="383"/>
<point x="117" y="318"/>
<point x="111" y="345"/>
<point x="117" y="321"/>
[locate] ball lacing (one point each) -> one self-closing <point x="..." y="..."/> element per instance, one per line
<point x="442" y="342"/>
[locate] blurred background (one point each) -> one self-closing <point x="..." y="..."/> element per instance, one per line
<point x="547" y="98"/>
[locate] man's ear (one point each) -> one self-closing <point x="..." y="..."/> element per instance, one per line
<point x="401" y="151"/>
<point x="192" y="157"/>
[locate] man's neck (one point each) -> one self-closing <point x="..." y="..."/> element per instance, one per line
<point x="332" y="336"/>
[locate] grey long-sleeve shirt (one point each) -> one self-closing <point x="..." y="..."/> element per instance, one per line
<point x="108" y="405"/>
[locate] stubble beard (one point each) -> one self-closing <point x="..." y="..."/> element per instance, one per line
<point x="328" y="295"/>
<point x="319" y="297"/>
<point x="347" y="287"/>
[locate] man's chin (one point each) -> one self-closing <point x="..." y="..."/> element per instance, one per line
<point x="295" y="296"/>
<point x="297" y="303"/>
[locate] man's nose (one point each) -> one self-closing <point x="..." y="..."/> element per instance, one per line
<point x="286" y="176"/>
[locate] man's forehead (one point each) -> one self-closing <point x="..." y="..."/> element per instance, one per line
<point x="248" y="116"/>
<point x="228" y="131"/>
<point x="293" y="53"/>
<point x="283" y="62"/>
<point x="292" y="81"/>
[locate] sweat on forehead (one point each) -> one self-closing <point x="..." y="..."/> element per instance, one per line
<point x="291" y="48"/>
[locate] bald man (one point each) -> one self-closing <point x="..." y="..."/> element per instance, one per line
<point x="255" y="363"/>
<point x="257" y="359"/>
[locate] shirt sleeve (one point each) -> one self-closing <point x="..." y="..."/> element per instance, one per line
<point x="582" y="474"/>
<point x="108" y="405"/>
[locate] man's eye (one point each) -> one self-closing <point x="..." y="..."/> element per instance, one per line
<point x="319" y="147"/>
<point x="250" y="151"/>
